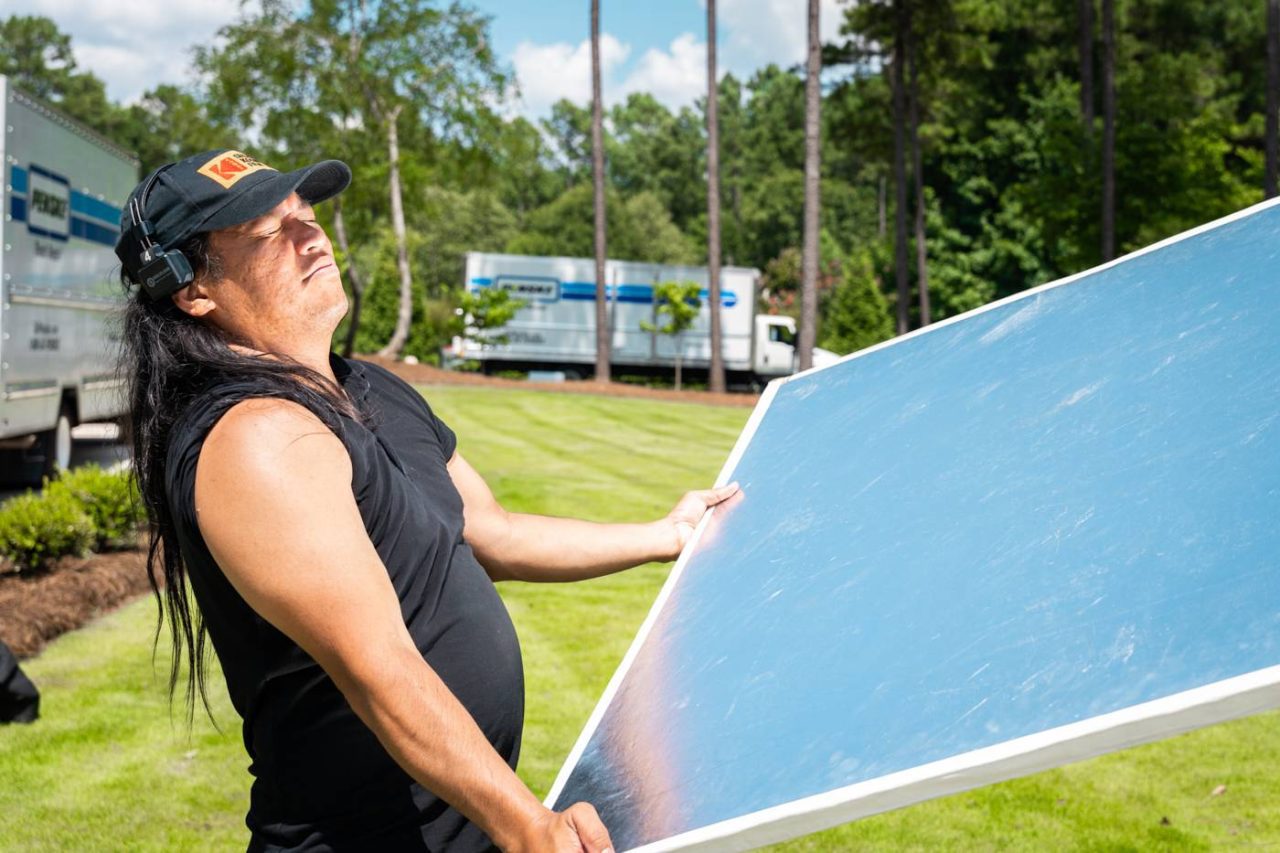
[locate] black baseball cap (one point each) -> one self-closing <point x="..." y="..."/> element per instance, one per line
<point x="213" y="190"/>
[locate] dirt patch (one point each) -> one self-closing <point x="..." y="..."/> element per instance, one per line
<point x="36" y="607"/>
<point x="424" y="374"/>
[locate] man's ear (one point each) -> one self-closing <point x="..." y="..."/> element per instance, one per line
<point x="194" y="299"/>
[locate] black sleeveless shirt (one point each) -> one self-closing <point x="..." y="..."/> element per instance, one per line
<point x="322" y="781"/>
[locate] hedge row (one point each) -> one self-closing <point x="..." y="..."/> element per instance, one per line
<point x="82" y="510"/>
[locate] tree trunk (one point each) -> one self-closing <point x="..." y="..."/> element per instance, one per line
<point x="1086" y="65"/>
<point x="901" y="23"/>
<point x="812" y="187"/>
<point x="1108" y="130"/>
<point x="882" y="213"/>
<point x="917" y="172"/>
<point x="737" y="208"/>
<point x="353" y="278"/>
<point x="401" y="333"/>
<point x="716" y="378"/>
<point x="1273" y="95"/>
<point x="597" y="169"/>
<point x="679" y="350"/>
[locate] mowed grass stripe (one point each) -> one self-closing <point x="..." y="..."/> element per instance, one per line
<point x="106" y="769"/>
<point x="591" y="457"/>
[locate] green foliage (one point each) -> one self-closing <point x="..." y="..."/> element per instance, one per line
<point x="433" y="319"/>
<point x="109" y="498"/>
<point x="677" y="301"/>
<point x="856" y="314"/>
<point x="165" y="124"/>
<point x="1012" y="175"/>
<point x="36" y="529"/>
<point x="449" y="224"/>
<point x="639" y="228"/>
<point x="483" y="314"/>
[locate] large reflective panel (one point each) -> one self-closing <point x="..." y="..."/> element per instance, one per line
<point x="1047" y="512"/>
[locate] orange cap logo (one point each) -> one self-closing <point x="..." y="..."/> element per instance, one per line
<point x="229" y="167"/>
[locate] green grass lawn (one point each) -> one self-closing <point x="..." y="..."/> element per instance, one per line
<point x="107" y="767"/>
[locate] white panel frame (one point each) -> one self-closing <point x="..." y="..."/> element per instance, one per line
<point x="1148" y="721"/>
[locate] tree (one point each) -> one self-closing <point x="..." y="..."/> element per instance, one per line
<point x="902" y="23"/>
<point x="856" y="313"/>
<point x="167" y="124"/>
<point x="640" y="228"/>
<point x="351" y="275"/>
<point x="716" y="377"/>
<point x="483" y="314"/>
<point x="912" y="56"/>
<point x="569" y="129"/>
<point x="597" y="177"/>
<point x="1272" y="123"/>
<point x="812" y="189"/>
<point x="37" y="57"/>
<point x="650" y="149"/>
<point x="1085" y="24"/>
<point x="392" y="68"/>
<point x="680" y="303"/>
<point x="1108" y="130"/>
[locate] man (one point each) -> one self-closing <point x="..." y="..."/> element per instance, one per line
<point x="340" y="550"/>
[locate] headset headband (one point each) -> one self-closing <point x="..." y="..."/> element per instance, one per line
<point x="160" y="271"/>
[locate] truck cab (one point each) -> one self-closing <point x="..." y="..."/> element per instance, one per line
<point x="774" y="353"/>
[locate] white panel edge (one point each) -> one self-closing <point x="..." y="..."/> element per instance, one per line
<point x="1148" y="721"/>
<point x="615" y="682"/>
<point x="1026" y="294"/>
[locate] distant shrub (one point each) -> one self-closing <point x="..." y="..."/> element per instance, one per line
<point x="36" y="529"/>
<point x="108" y="498"/>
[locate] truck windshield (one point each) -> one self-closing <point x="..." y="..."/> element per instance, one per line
<point x="782" y="334"/>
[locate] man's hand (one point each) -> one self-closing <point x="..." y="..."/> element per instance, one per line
<point x="689" y="510"/>
<point x="577" y="829"/>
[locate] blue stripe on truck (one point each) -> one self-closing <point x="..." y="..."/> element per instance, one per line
<point x="585" y="291"/>
<point x="87" y="205"/>
<point x="18" y="179"/>
<point x="92" y="231"/>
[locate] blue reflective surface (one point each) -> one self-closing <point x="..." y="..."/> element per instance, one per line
<point x="1051" y="510"/>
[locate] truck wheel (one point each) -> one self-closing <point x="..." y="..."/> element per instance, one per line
<point x="55" y="446"/>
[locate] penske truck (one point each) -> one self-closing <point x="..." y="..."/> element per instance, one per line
<point x="64" y="187"/>
<point x="554" y="330"/>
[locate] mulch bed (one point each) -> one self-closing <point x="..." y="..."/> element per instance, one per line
<point x="424" y="374"/>
<point x="36" y="607"/>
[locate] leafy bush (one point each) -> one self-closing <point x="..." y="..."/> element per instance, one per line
<point x="108" y="498"/>
<point x="38" y="528"/>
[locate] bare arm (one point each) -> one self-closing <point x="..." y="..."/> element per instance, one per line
<point x="520" y="546"/>
<point x="274" y="502"/>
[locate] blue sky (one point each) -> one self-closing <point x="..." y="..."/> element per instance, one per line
<point x="648" y="23"/>
<point x="658" y="46"/>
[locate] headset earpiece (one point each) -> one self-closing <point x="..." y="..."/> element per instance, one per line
<point x="160" y="271"/>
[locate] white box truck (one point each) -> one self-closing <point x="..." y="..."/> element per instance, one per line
<point x="64" y="187"/>
<point x="555" y="329"/>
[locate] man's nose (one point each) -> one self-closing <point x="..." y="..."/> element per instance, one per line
<point x="309" y="237"/>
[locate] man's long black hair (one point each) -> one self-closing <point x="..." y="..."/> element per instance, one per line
<point x="168" y="360"/>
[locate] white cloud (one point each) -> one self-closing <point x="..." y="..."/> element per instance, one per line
<point x="756" y="32"/>
<point x="753" y="33"/>
<point x="676" y="77"/>
<point x="549" y="72"/>
<point x="133" y="46"/>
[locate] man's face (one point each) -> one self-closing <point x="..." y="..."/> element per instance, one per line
<point x="280" y="284"/>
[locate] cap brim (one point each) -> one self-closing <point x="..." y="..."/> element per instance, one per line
<point x="314" y="184"/>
